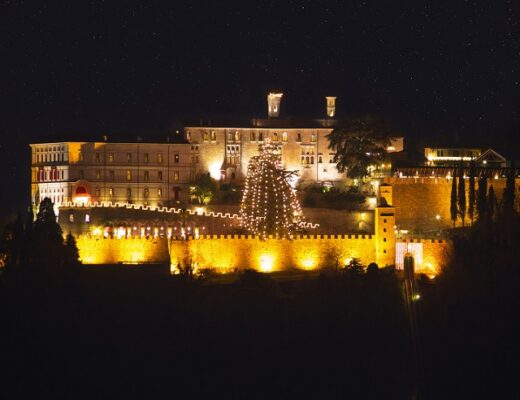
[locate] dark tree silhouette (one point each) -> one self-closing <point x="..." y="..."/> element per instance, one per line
<point x="509" y="194"/>
<point x="203" y="188"/>
<point x="359" y="144"/>
<point x="47" y="237"/>
<point x="461" y="196"/>
<point x="453" y="198"/>
<point x="491" y="201"/>
<point x="71" y="252"/>
<point x="481" y="198"/>
<point x="471" y="190"/>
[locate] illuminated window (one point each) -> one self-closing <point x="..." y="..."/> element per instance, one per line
<point x="146" y="193"/>
<point x="159" y="192"/>
<point x="176" y="175"/>
<point x="98" y="157"/>
<point x="110" y="157"/>
<point x="146" y="157"/>
<point x="98" y="192"/>
<point x="252" y="136"/>
<point x="284" y="137"/>
<point x="111" y="192"/>
<point x="111" y="174"/>
<point x="87" y="218"/>
<point x="128" y="175"/>
<point x="128" y="192"/>
<point x="237" y="136"/>
<point x="313" y="137"/>
<point x="146" y="175"/>
<point x="159" y="175"/>
<point x="260" y="136"/>
<point x="298" y="137"/>
<point x="129" y="157"/>
<point x="160" y="158"/>
<point x="320" y="159"/>
<point x="230" y="136"/>
<point x="98" y="174"/>
<point x="71" y="217"/>
<point x="188" y="136"/>
<point x="275" y="136"/>
<point x="213" y="136"/>
<point x="176" y="158"/>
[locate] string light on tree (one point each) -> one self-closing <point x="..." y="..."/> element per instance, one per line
<point x="269" y="204"/>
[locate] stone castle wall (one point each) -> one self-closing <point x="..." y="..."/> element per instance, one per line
<point x="418" y="201"/>
<point x="228" y="253"/>
<point x="113" y="251"/>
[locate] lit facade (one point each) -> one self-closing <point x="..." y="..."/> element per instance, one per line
<point x="155" y="174"/>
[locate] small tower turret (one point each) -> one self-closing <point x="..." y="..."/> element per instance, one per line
<point x="273" y="104"/>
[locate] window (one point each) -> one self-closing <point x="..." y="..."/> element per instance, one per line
<point x="275" y="136"/>
<point x="176" y="158"/>
<point x="146" y="158"/>
<point x="230" y="136"/>
<point x="284" y="137"/>
<point x="213" y="136"/>
<point x="128" y="192"/>
<point x="237" y="136"/>
<point x="160" y="158"/>
<point x="320" y="159"/>
<point x="188" y="136"/>
<point x="176" y="175"/>
<point x="159" y="193"/>
<point x="206" y="136"/>
<point x="146" y="176"/>
<point x="159" y="175"/>
<point x="260" y="136"/>
<point x="128" y="175"/>
<point x="98" y="174"/>
<point x="298" y="137"/>
<point x="252" y="136"/>
<point x="455" y="153"/>
<point x="71" y="217"/>
<point x="87" y="218"/>
<point x="129" y="157"/>
<point x="146" y="193"/>
<point x="98" y="157"/>
<point x="110" y="157"/>
<point x="313" y="137"/>
<point x="111" y="174"/>
<point x="307" y="156"/>
<point x="98" y="192"/>
<point x="111" y="192"/>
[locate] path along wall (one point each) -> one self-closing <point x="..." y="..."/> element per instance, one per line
<point x="423" y="204"/>
<point x="228" y="253"/>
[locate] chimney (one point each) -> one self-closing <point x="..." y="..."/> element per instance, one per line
<point x="273" y="104"/>
<point x="331" y="106"/>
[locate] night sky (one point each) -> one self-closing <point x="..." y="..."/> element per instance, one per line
<point x="437" y="68"/>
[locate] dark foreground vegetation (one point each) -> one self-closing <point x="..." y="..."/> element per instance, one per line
<point x="82" y="332"/>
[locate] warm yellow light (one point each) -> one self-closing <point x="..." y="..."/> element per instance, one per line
<point x="200" y="210"/>
<point x="97" y="231"/>
<point x="437" y="217"/>
<point x="266" y="263"/>
<point x="82" y="199"/>
<point x="214" y="170"/>
<point x="308" y="263"/>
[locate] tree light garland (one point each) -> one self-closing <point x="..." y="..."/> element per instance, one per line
<point x="269" y="204"/>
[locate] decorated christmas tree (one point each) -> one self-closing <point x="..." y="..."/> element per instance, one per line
<point x="269" y="204"/>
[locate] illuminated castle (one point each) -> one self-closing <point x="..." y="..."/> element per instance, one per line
<point x="157" y="172"/>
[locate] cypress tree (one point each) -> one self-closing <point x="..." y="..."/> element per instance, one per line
<point x="471" y="202"/>
<point x="509" y="194"/>
<point x="481" y="198"/>
<point x="491" y="200"/>
<point x="71" y="252"/>
<point x="453" y="200"/>
<point x="461" y="196"/>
